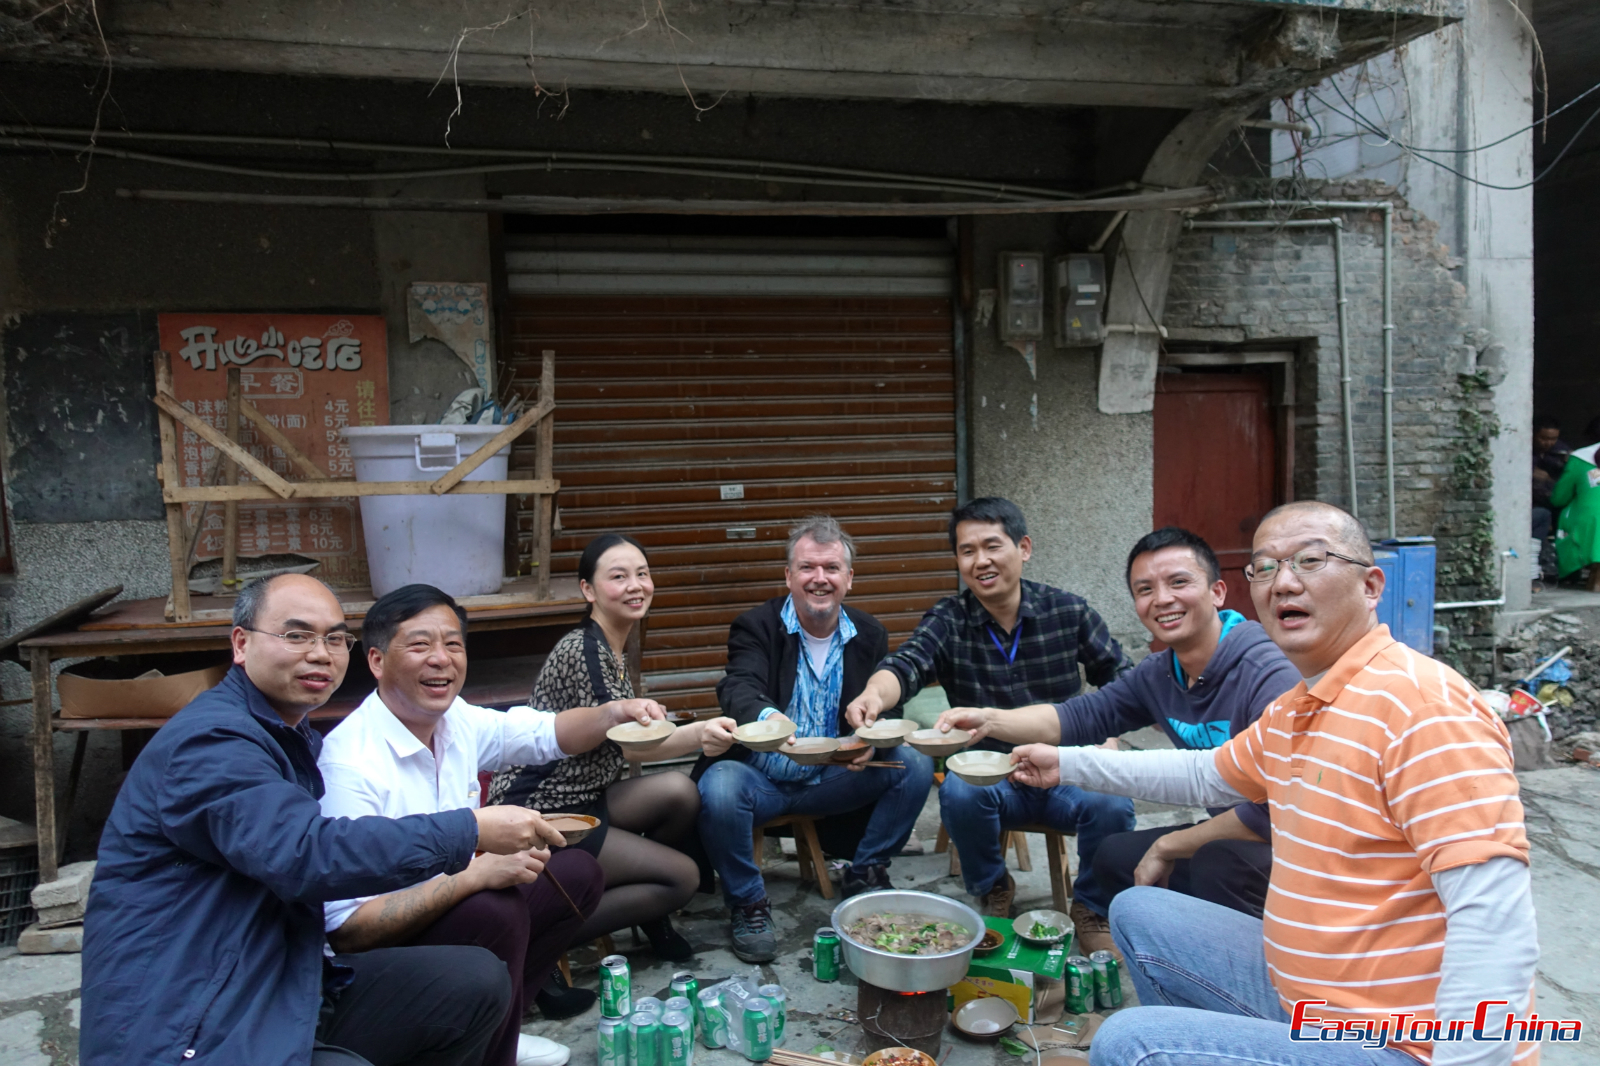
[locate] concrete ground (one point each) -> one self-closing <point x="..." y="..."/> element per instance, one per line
<point x="39" y="995"/>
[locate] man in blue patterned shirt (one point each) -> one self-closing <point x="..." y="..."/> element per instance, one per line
<point x="1005" y="642"/>
<point x="803" y="657"/>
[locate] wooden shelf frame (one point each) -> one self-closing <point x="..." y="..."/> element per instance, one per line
<point x="270" y="485"/>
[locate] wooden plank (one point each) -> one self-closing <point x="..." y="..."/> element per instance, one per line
<point x="177" y="529"/>
<point x="275" y="435"/>
<point x="209" y="434"/>
<point x="44" y="764"/>
<point x="230" y="476"/>
<point x="516" y="429"/>
<point x="543" y="467"/>
<point x="324" y="490"/>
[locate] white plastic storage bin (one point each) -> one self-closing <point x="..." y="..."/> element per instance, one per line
<point x="456" y="543"/>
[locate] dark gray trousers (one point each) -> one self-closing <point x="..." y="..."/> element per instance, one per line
<point x="415" y="1006"/>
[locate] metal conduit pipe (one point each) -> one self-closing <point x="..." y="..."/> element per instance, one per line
<point x="1337" y="225"/>
<point x="1387" y="207"/>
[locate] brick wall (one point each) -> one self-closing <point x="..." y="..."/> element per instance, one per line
<point x="1235" y="287"/>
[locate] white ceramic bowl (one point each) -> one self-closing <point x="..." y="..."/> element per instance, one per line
<point x="1023" y="925"/>
<point x="935" y="744"/>
<point x="887" y="732"/>
<point x="764" y="736"/>
<point x="980" y="768"/>
<point x="633" y="737"/>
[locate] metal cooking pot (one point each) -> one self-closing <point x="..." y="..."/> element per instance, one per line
<point x="906" y="973"/>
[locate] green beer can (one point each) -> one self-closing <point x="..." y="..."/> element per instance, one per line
<point x="1107" y="980"/>
<point x="685" y="984"/>
<point x="825" y="954"/>
<point x="616" y="994"/>
<point x="644" y="1034"/>
<point x="779" y="1000"/>
<point x="1081" y="996"/>
<point x="710" y="1020"/>
<point x="677" y="1039"/>
<point x="681" y="1003"/>
<point x="611" y="1042"/>
<point x="757" y="1029"/>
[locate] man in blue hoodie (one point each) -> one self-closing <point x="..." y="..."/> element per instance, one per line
<point x="1220" y="672"/>
<point x="204" y="940"/>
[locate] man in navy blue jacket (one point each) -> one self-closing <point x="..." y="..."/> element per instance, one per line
<point x="1220" y="672"/>
<point x="204" y="941"/>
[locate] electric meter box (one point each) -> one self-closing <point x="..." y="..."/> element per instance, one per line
<point x="1080" y="300"/>
<point x="1021" y="296"/>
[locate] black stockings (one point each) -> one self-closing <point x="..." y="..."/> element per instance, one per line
<point x="646" y="877"/>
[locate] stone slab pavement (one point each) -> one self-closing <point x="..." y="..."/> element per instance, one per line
<point x="39" y="994"/>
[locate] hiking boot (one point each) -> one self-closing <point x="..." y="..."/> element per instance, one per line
<point x="997" y="902"/>
<point x="1093" y="932"/>
<point x="753" y="937"/>
<point x="859" y="879"/>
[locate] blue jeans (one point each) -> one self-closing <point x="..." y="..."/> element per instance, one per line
<point x="975" y="816"/>
<point x="735" y="798"/>
<point x="1201" y="976"/>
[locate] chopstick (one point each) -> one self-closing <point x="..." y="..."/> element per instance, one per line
<point x="887" y="765"/>
<point x="574" y="906"/>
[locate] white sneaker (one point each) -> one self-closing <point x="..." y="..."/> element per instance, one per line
<point x="537" y="1051"/>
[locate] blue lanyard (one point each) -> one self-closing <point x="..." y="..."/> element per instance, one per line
<point x="1016" y="637"/>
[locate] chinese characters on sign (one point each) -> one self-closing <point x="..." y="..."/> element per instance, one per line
<point x="310" y="376"/>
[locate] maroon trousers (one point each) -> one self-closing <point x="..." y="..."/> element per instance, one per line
<point x="527" y="927"/>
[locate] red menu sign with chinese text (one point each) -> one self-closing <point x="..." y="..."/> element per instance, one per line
<point x="310" y="375"/>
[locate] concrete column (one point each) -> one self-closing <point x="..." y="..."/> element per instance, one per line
<point x="1498" y="83"/>
<point x="426" y="246"/>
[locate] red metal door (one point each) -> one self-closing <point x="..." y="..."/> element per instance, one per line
<point x="1216" y="459"/>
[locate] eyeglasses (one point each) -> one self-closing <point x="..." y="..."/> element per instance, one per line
<point x="303" y="640"/>
<point x="1302" y="562"/>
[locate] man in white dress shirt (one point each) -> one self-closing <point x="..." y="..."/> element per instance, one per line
<point x="415" y="747"/>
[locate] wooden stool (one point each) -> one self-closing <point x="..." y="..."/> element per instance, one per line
<point x="813" y="866"/>
<point x="1009" y="840"/>
<point x="1055" y="842"/>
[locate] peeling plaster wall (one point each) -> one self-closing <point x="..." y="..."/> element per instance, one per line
<point x="1082" y="478"/>
<point x="1463" y="86"/>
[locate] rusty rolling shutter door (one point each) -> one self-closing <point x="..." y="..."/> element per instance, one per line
<point x="715" y="391"/>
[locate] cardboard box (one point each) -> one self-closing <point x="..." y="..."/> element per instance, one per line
<point x="92" y="690"/>
<point x="1030" y="978"/>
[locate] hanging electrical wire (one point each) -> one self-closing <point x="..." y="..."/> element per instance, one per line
<point x="1355" y="116"/>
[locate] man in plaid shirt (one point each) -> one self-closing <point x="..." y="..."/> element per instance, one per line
<point x="1006" y="642"/>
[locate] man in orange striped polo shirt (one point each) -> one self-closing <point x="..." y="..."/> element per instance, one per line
<point x="1399" y="898"/>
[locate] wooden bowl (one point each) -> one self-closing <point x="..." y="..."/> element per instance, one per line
<point x="935" y="744"/>
<point x="634" y="738"/>
<point x="992" y="941"/>
<point x="574" y="827"/>
<point x="764" y="736"/>
<point x="849" y="748"/>
<point x="887" y="732"/>
<point x="980" y="768"/>
<point x="811" y="751"/>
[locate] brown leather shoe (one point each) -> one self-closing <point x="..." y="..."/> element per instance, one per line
<point x="1093" y="931"/>
<point x="997" y="904"/>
